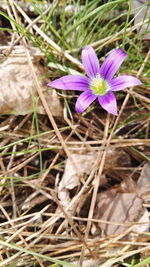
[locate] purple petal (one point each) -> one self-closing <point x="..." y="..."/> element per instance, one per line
<point x="90" y="61"/>
<point x="108" y="102"/>
<point x="71" y="82"/>
<point x="112" y="63"/>
<point x="84" y="100"/>
<point x="122" y="82"/>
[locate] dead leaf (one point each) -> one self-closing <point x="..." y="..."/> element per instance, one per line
<point x="85" y="164"/>
<point x="17" y="93"/>
<point x="70" y="178"/>
<point x="117" y="207"/>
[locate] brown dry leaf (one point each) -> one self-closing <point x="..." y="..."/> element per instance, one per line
<point x="116" y="207"/>
<point x="17" y="92"/>
<point x="124" y="204"/>
<point x="144" y="182"/>
<point x="70" y="178"/>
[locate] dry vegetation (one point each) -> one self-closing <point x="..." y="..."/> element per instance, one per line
<point x="74" y="189"/>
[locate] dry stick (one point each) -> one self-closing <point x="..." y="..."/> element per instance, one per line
<point x="11" y="161"/>
<point x="138" y="96"/>
<point x="87" y="182"/>
<point x="18" y="243"/>
<point x="37" y="215"/>
<point x="125" y="142"/>
<point x="12" y="191"/>
<point x="96" y="185"/>
<point x="38" y="236"/>
<point x="49" y="168"/>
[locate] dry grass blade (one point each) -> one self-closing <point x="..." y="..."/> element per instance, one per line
<point x="96" y="185"/>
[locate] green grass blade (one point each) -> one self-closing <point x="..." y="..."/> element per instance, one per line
<point x="23" y="250"/>
<point x="93" y="13"/>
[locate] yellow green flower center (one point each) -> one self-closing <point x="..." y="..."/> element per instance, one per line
<point x="98" y="85"/>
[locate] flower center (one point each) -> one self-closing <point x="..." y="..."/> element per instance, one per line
<point x="98" y="85"/>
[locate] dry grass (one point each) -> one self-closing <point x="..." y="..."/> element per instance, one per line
<point x="35" y="227"/>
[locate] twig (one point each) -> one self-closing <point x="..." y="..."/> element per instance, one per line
<point x="96" y="185"/>
<point x="138" y="96"/>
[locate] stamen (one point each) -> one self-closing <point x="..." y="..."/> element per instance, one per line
<point x="98" y="85"/>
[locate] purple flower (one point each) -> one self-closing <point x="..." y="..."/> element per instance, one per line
<point x="99" y="83"/>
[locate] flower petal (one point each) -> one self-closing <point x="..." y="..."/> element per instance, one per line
<point x="71" y="82"/>
<point x="122" y="82"/>
<point x="108" y="102"/>
<point x="112" y="63"/>
<point x="84" y="100"/>
<point x="90" y="61"/>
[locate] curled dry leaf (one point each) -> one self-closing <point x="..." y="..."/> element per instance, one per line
<point x="70" y="178"/>
<point x="84" y="165"/>
<point x="18" y="95"/>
